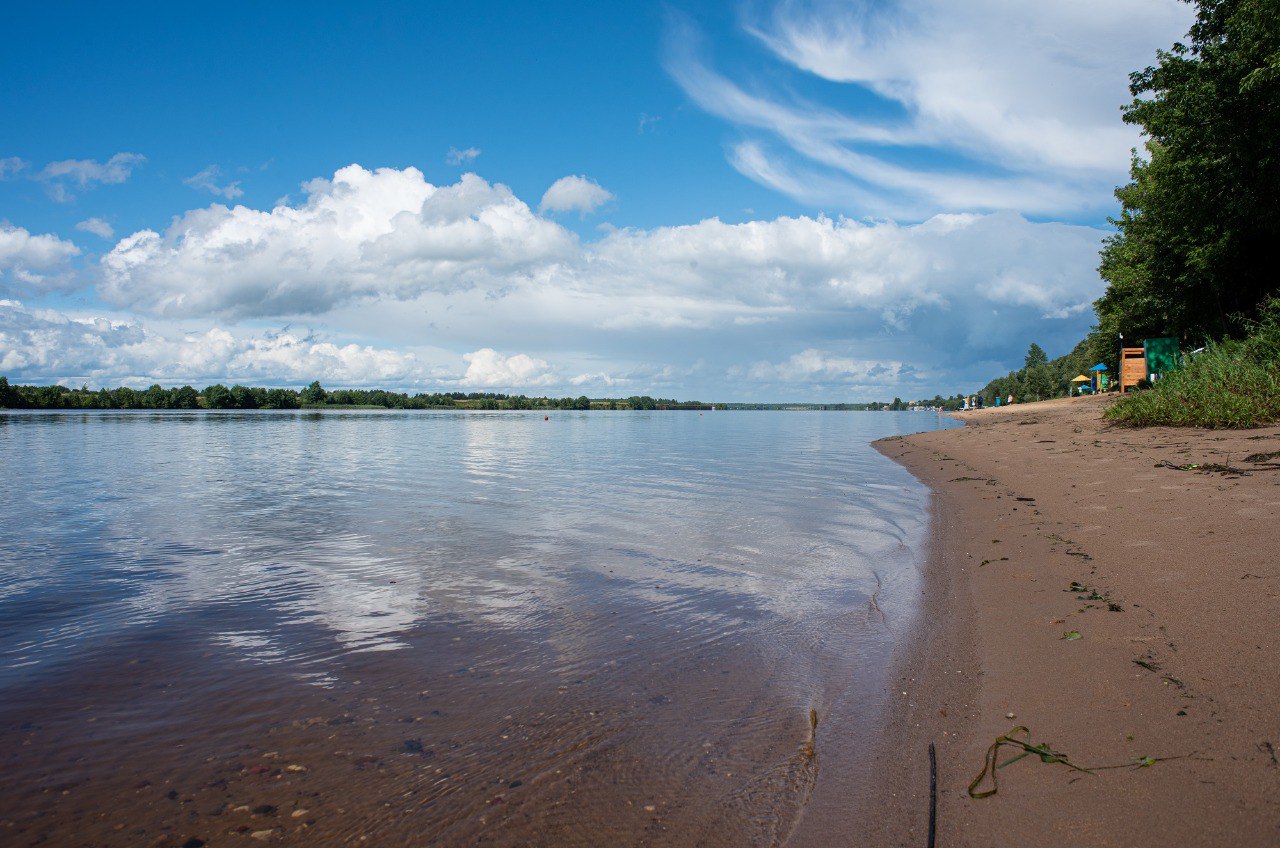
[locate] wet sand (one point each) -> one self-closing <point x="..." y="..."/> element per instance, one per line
<point x="1047" y="521"/>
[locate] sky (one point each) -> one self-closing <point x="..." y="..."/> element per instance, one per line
<point x="789" y="201"/>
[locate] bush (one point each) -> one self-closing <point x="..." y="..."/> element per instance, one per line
<point x="1229" y="384"/>
<point x="1224" y="386"/>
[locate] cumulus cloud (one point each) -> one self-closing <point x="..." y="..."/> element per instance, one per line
<point x="462" y="157"/>
<point x="364" y="233"/>
<point x="97" y="226"/>
<point x="883" y="269"/>
<point x="61" y="177"/>
<point x="207" y="180"/>
<point x="486" y="368"/>
<point x="1014" y="103"/>
<point x="45" y="344"/>
<point x="390" y="235"/>
<point x="392" y="256"/>
<point x="813" y="365"/>
<point x="33" y="263"/>
<point x="574" y="193"/>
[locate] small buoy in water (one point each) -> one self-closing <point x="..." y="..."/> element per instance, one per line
<point x="546" y="418"/>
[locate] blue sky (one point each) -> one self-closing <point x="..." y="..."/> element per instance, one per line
<point x="826" y="201"/>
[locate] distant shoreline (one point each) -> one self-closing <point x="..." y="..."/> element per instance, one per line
<point x="218" y="396"/>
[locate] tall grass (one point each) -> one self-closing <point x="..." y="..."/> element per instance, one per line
<point x="1230" y="384"/>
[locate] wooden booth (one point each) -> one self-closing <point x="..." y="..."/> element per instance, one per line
<point x="1133" y="366"/>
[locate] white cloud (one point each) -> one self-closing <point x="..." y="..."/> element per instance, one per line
<point x="45" y="344"/>
<point x="385" y="254"/>
<point x="207" y="180"/>
<point x="11" y="166"/>
<point x="462" y="157"/>
<point x="390" y="235"/>
<point x="33" y="263"/>
<point x="813" y="365"/>
<point x="486" y="368"/>
<point x="574" y="193"/>
<point x="364" y="233"/>
<point x="1014" y="103"/>
<point x="97" y="226"/>
<point x="59" y="177"/>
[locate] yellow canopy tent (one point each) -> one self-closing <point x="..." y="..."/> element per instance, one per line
<point x="1080" y="382"/>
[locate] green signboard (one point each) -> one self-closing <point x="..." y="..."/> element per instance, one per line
<point x="1162" y="356"/>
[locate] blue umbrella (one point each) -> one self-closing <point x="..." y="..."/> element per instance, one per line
<point x="1099" y="367"/>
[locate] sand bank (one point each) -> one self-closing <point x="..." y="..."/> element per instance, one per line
<point x="1178" y="625"/>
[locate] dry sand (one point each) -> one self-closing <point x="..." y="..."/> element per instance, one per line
<point x="1028" y="499"/>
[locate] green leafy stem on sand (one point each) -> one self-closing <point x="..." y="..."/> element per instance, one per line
<point x="991" y="763"/>
<point x="1205" y="467"/>
<point x="1085" y="593"/>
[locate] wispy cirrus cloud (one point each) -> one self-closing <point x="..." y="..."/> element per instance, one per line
<point x="97" y="226"/>
<point x="208" y="179"/>
<point x="64" y="178"/>
<point x="11" y="166"/>
<point x="462" y="157"/>
<point x="1002" y="105"/>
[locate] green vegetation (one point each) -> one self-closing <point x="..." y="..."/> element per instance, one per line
<point x="1195" y="248"/>
<point x="314" y="396"/>
<point x="1229" y="384"/>
<point x="1040" y="378"/>
<point x="1194" y="254"/>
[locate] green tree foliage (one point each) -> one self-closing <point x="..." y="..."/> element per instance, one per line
<point x="1040" y="378"/>
<point x="1198" y="240"/>
<point x="1035" y="356"/>
<point x="9" y="397"/>
<point x="313" y="394"/>
<point x="219" y="396"/>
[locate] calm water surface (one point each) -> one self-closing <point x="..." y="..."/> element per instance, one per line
<point x="369" y="628"/>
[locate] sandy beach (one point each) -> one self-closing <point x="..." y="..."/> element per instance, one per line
<point x="1049" y="523"/>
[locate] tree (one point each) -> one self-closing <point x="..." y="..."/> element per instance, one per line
<point x="247" y="398"/>
<point x="1035" y="356"/>
<point x="313" y="394"/>
<point x="218" y="396"/>
<point x="9" y="397"/>
<point x="184" y="398"/>
<point x="280" y="399"/>
<point x="1198" y="239"/>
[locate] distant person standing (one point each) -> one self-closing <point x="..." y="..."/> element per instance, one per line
<point x="1011" y="398"/>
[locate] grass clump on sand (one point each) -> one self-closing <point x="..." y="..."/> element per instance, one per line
<point x="1229" y="384"/>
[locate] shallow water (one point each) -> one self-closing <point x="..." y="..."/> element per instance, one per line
<point x="434" y="628"/>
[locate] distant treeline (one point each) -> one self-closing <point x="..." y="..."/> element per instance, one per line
<point x="895" y="405"/>
<point x="1040" y="377"/>
<point x="219" y="396"/>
